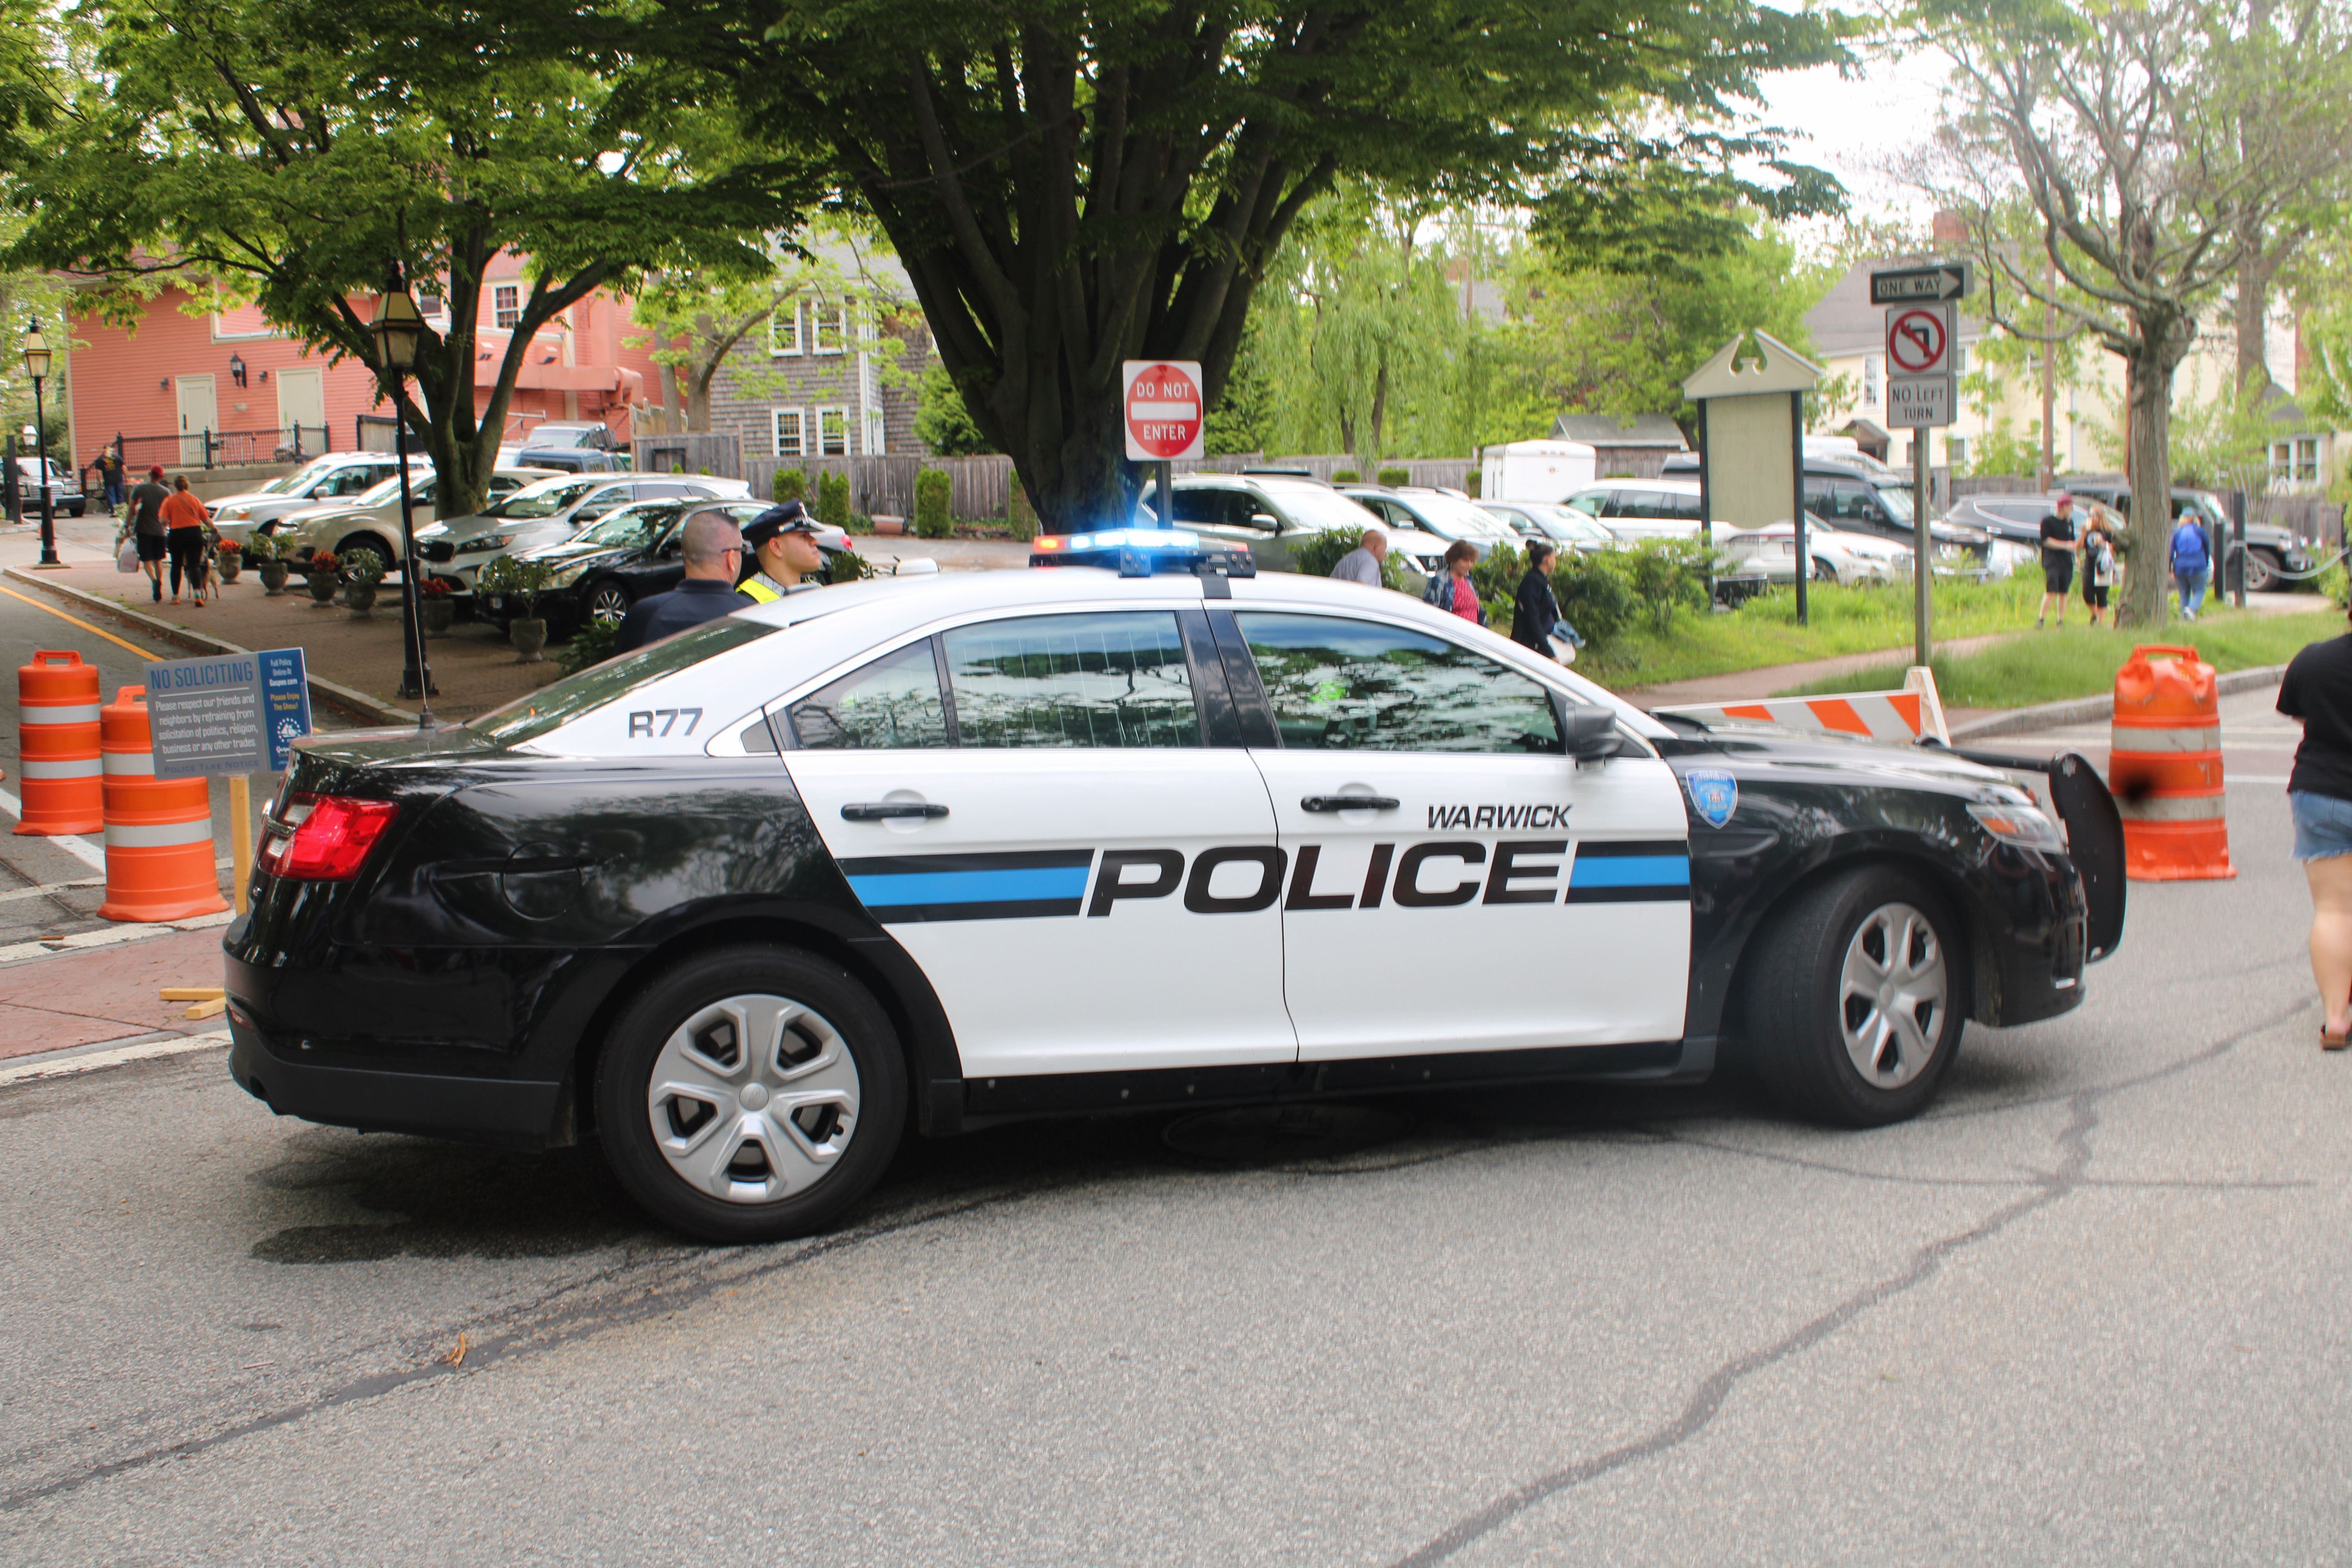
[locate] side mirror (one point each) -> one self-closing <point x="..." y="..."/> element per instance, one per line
<point x="1265" y="521"/>
<point x="1587" y="734"/>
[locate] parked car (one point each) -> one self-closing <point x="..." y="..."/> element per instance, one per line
<point x="1838" y="556"/>
<point x="66" y="497"/>
<point x="575" y="460"/>
<point x="1268" y="514"/>
<point x="2014" y="521"/>
<point x="371" y="519"/>
<point x="1646" y="509"/>
<point x="1563" y="526"/>
<point x="1450" y="518"/>
<point x="593" y="434"/>
<point x="549" y="512"/>
<point x="634" y="551"/>
<point x="2270" y="549"/>
<point x="1865" y="496"/>
<point x="330" y="477"/>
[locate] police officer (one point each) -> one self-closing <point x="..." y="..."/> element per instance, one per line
<point x="711" y="548"/>
<point x="784" y="557"/>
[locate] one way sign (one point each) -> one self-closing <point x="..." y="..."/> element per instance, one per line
<point x="1938" y="280"/>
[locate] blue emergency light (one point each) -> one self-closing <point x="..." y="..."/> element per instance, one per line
<point x="1142" y="553"/>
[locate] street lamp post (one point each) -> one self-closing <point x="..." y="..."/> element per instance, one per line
<point x="397" y="328"/>
<point x="37" y="365"/>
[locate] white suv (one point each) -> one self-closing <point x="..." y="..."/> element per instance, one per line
<point x="336" y="476"/>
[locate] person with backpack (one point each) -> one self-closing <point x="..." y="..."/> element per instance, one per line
<point x="2192" y="562"/>
<point x="1451" y="591"/>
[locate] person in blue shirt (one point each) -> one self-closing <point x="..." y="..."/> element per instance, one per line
<point x="2192" y="562"/>
<point x="713" y="549"/>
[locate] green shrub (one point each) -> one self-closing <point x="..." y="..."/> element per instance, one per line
<point x="1496" y="578"/>
<point x="1595" y="596"/>
<point x="2335" y="583"/>
<point x="791" y="484"/>
<point x="517" y="579"/>
<point x="832" y="499"/>
<point x="361" y="567"/>
<point x="1472" y="483"/>
<point x="592" y="644"/>
<point x="1668" y="575"/>
<point x="860" y="523"/>
<point x="1317" y="554"/>
<point x="1395" y="477"/>
<point x="932" y="489"/>
<point x="847" y="567"/>
<point x="1346" y="477"/>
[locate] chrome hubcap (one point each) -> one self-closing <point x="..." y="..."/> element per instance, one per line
<point x="1892" y="993"/>
<point x="753" y="1099"/>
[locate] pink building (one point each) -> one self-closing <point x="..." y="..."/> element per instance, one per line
<point x="178" y="387"/>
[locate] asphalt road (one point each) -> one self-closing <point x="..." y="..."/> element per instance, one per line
<point x="2087" y="1310"/>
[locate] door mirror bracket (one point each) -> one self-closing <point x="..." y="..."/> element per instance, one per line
<point x="1587" y="734"/>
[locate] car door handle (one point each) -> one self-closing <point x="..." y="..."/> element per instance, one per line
<point x="883" y="810"/>
<point x="1348" y="803"/>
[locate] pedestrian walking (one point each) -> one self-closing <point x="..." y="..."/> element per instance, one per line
<point x="1362" y="565"/>
<point x="1451" y="591"/>
<point x="108" y="464"/>
<point x="2058" y="549"/>
<point x="2318" y="690"/>
<point x="712" y="547"/>
<point x="1535" y="620"/>
<point x="147" y="525"/>
<point x="2192" y="562"/>
<point x="2098" y="571"/>
<point x="183" y="521"/>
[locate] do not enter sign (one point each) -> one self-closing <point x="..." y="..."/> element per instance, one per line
<point x="1164" y="415"/>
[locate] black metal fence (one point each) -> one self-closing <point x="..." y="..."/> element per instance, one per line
<point x="221" y="448"/>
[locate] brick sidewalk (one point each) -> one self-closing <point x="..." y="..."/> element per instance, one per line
<point x="108" y="994"/>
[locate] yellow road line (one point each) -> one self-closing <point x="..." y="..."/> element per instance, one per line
<point x="85" y="626"/>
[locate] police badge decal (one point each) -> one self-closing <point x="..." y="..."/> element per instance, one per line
<point x="1714" y="795"/>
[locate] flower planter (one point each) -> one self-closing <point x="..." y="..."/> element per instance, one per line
<point x="435" y="615"/>
<point x="323" y="586"/>
<point x="528" y="637"/>
<point x="359" y="597"/>
<point x="273" y="577"/>
<point x="230" y="565"/>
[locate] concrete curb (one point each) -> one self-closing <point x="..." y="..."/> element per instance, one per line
<point x="2085" y="709"/>
<point x="328" y="693"/>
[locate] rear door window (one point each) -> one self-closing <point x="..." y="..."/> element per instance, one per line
<point x="1111" y="679"/>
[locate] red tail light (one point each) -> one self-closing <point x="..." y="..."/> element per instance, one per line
<point x="329" y="840"/>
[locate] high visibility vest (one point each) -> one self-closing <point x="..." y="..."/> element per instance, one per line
<point x="759" y="592"/>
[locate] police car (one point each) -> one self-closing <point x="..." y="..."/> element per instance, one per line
<point x="1143" y="834"/>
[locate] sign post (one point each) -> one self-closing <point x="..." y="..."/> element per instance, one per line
<point x="1922" y="392"/>
<point x="228" y="717"/>
<point x="1166" y="418"/>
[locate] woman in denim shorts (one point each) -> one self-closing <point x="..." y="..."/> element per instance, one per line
<point x="2318" y="690"/>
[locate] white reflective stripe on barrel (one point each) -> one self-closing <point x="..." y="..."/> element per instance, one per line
<point x="2186" y="737"/>
<point x="158" y="836"/>
<point x="131" y="764"/>
<point x="77" y="713"/>
<point x="2155" y="808"/>
<point x="78" y="768"/>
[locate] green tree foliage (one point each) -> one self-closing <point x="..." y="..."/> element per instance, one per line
<point x="934" y="489"/>
<point x="790" y="484"/>
<point x="832" y="499"/>
<point x="942" y="421"/>
<point x="1072" y="184"/>
<point x="289" y="153"/>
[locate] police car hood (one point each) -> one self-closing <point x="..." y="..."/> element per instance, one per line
<point x="1773" y="746"/>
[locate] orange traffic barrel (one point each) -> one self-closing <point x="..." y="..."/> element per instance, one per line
<point x="158" y="832"/>
<point x="2164" y="767"/>
<point x="57" y="730"/>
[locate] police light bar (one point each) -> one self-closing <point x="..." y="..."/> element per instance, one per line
<point x="1140" y="553"/>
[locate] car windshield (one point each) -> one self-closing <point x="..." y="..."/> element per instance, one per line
<point x="542" y="499"/>
<point x="534" y="715"/>
<point x="1897" y="499"/>
<point x="633" y="528"/>
<point x="1566" y="522"/>
<point x="380" y="494"/>
<point x="1457" y="519"/>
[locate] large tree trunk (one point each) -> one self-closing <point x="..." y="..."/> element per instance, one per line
<point x="2148" y="393"/>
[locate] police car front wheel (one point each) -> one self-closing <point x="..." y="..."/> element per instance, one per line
<point x="1854" y="999"/>
<point x="751" y="1095"/>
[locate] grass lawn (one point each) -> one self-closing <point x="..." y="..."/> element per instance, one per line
<point x="1765" y="632"/>
<point x="2076" y="661"/>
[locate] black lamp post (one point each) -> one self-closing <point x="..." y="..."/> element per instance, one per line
<point x="37" y="365"/>
<point x="397" y="328"/>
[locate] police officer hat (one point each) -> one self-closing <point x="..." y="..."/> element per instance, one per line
<point x="790" y="517"/>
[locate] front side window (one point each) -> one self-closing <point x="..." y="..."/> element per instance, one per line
<point x="1113" y="679"/>
<point x="636" y="528"/>
<point x="1194" y="503"/>
<point x="1343" y="685"/>
<point x="893" y="703"/>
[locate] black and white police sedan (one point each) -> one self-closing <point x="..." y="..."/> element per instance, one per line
<point x="748" y="903"/>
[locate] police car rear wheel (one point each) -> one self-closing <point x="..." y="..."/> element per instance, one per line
<point x="1853" y="1003"/>
<point x="751" y="1095"/>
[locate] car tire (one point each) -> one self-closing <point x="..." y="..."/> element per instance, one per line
<point x="1824" y="571"/>
<point x="1826" y="1044"/>
<point x="691" y="1137"/>
<point x="605" y="601"/>
<point x="2262" y="569"/>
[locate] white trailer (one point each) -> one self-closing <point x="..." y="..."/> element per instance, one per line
<point x="1537" y="471"/>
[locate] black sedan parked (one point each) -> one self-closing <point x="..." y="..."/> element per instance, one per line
<point x="632" y="552"/>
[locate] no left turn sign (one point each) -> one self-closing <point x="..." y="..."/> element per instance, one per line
<point x="1164" y="415"/>
<point x="1918" y="339"/>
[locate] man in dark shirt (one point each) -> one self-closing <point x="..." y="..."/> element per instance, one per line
<point x="147" y="525"/>
<point x="2058" y="546"/>
<point x="712" y="547"/>
<point x="2318" y="690"/>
